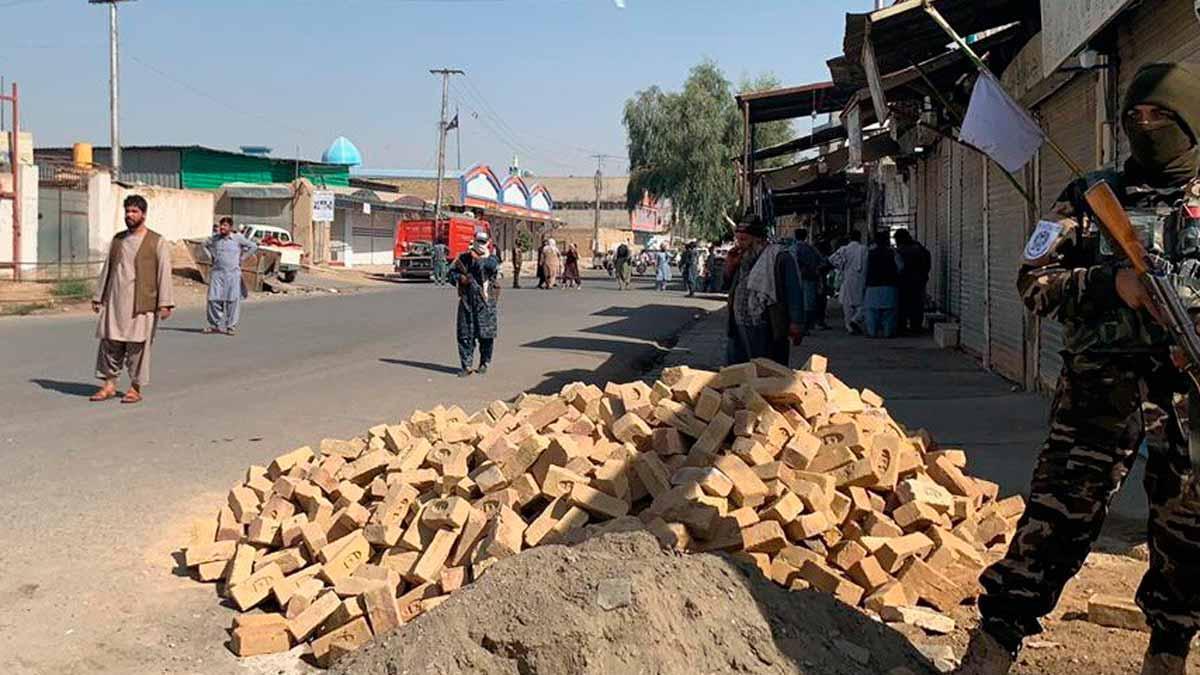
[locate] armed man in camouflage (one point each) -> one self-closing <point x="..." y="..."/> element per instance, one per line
<point x="1116" y="359"/>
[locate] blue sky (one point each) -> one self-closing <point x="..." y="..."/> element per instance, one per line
<point x="545" y="79"/>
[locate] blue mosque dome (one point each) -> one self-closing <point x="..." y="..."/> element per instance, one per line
<point x="342" y="152"/>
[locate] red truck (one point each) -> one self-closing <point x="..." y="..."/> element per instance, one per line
<point x="413" y="254"/>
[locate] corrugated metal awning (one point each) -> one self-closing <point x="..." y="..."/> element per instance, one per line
<point x="819" y="137"/>
<point x="791" y="102"/>
<point x="904" y="34"/>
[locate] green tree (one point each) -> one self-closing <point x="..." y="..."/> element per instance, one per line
<point x="681" y="146"/>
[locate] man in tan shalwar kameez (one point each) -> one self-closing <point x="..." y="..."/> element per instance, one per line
<point x="134" y="291"/>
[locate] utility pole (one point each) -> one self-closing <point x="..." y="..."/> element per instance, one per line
<point x="441" y="158"/>
<point x="114" y="84"/>
<point x="599" y="183"/>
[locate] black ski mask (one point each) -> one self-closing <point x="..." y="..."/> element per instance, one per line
<point x="1163" y="153"/>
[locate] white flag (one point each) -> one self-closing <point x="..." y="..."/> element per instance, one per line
<point x="999" y="126"/>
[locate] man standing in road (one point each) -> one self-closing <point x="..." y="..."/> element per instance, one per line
<point x="766" y="305"/>
<point x="133" y="293"/>
<point x="441" y="263"/>
<point x="915" y="263"/>
<point x="1116" y="368"/>
<point x="474" y="273"/>
<point x="227" y="250"/>
<point x="518" y="252"/>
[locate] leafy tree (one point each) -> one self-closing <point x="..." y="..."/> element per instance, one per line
<point x="681" y="146"/>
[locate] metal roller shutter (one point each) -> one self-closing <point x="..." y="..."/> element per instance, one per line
<point x="1069" y="117"/>
<point x="1006" y="229"/>
<point x="972" y="315"/>
<point x="954" y="227"/>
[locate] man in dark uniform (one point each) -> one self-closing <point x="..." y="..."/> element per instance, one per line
<point x="474" y="273"/>
<point x="1116" y="360"/>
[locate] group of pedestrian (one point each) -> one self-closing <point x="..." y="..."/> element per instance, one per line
<point x="881" y="288"/>
<point x="557" y="268"/>
<point x="135" y="291"/>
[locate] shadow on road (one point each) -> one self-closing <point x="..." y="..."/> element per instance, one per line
<point x="423" y="365"/>
<point x="84" y="389"/>
<point x="197" y="331"/>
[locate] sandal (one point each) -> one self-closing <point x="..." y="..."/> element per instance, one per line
<point x="132" y="396"/>
<point x="208" y="330"/>
<point x="103" y="394"/>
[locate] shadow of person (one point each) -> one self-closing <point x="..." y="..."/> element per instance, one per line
<point x="69" y="388"/>
<point x="423" y="365"/>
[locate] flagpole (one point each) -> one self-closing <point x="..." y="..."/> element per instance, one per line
<point x="962" y="44"/>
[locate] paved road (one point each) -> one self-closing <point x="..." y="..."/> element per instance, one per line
<point x="97" y="497"/>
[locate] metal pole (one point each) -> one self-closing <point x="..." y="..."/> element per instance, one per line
<point x="441" y="158"/>
<point x="114" y="97"/>
<point x="16" y="169"/>
<point x="458" y="139"/>
<point x="599" y="183"/>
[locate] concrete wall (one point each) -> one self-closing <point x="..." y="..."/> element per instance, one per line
<point x="175" y="214"/>
<point x="29" y="218"/>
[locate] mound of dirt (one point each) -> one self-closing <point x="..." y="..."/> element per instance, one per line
<point x="617" y="602"/>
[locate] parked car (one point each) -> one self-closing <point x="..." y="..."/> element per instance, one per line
<point x="277" y="239"/>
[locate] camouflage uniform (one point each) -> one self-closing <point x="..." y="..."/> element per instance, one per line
<point x="1116" y="363"/>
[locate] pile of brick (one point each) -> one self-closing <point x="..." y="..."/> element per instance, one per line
<point x="804" y="476"/>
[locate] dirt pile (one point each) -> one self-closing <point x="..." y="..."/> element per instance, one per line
<point x="619" y="603"/>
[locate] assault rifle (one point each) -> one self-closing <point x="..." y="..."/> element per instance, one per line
<point x="1171" y="311"/>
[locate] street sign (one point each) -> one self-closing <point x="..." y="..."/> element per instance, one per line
<point x="322" y="206"/>
<point x="366" y="208"/>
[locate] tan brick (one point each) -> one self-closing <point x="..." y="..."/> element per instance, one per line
<point x="527" y="453"/>
<point x="710" y="480"/>
<point x="868" y="574"/>
<point x="254" y="641"/>
<point x="926" y="492"/>
<point x="288" y="559"/>
<point x="255" y="588"/>
<point x="502" y="537"/>
<point x="752" y="451"/>
<point x="452" y="578"/>
<point x="915" y="516"/>
<point x="244" y="503"/>
<point x="1116" y="612"/>
<point x="800" y="450"/>
<point x="547" y="413"/>
<point x="216" y="551"/>
<point x="379" y="604"/>
<point x="331" y="646"/>
<point x="931" y="586"/>
<point x="708" y="404"/>
<point x="816" y="364"/>
<point x="951" y="477"/>
<point x="846" y="554"/>
<point x="348" y="556"/>
<point x="879" y="525"/>
<point x="783" y="510"/>
<point x="597" y="502"/>
<point x="241" y="566"/>
<point x="891" y="594"/>
<point x="829" y="459"/>
<point x="228" y="527"/>
<point x="828" y="580"/>
<point x="707" y="445"/>
<point x="652" y="473"/>
<point x="631" y="428"/>
<point x="677" y="416"/>
<point x="808" y="525"/>
<point x="748" y="489"/>
<point x="448" y="513"/>
<point x="764" y="537"/>
<point x="283" y="463"/>
<point x="429" y="566"/>
<point x="311" y="618"/>
<point x="897" y="550"/>
<point x="666" y="441"/>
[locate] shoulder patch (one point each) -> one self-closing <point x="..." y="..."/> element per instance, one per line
<point x="1044" y="237"/>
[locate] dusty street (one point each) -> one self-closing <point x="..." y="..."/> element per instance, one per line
<point x="99" y="496"/>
